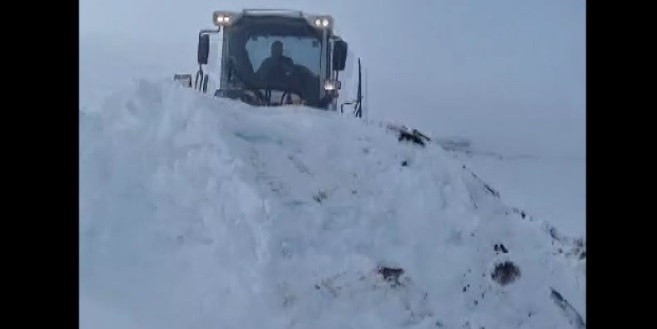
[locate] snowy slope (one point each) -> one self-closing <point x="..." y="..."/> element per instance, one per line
<point x="198" y="212"/>
<point x="552" y="187"/>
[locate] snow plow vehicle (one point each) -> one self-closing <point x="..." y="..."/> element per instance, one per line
<point x="271" y="57"/>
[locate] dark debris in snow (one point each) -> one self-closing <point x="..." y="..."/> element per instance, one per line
<point x="500" y="248"/>
<point x="568" y="310"/>
<point x="320" y="196"/>
<point x="505" y="273"/>
<point x="390" y="273"/>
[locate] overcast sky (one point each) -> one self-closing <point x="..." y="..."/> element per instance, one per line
<point x="468" y="67"/>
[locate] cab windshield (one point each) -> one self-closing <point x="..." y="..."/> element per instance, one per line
<point x="275" y="55"/>
<point x="303" y="51"/>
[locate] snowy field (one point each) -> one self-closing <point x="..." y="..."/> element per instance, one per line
<point x="551" y="187"/>
<point x="544" y="171"/>
<point x="199" y="212"/>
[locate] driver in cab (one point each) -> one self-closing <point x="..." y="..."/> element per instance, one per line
<point x="276" y="66"/>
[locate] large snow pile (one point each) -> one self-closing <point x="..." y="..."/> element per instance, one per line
<point x="197" y="212"/>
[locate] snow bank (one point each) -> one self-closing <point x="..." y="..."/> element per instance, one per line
<point x="198" y="212"/>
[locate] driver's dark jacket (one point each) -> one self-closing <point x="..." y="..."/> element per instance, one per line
<point x="272" y="68"/>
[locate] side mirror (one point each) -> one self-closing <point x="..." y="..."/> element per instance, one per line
<point x="339" y="55"/>
<point x="203" y="48"/>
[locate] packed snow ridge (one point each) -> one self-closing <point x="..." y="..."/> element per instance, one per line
<point x="198" y="212"/>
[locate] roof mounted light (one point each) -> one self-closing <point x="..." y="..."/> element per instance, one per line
<point x="223" y="18"/>
<point x="321" y="22"/>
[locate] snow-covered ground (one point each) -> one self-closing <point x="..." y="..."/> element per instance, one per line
<point x="549" y="186"/>
<point x="199" y="212"/>
<point x="544" y="174"/>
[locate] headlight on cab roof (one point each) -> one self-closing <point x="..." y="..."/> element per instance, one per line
<point x="321" y="22"/>
<point x="223" y="18"/>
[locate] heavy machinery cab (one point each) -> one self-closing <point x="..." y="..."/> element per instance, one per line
<point x="275" y="57"/>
